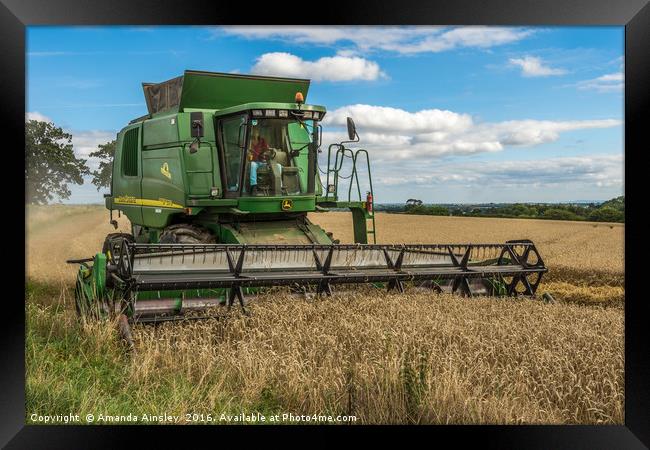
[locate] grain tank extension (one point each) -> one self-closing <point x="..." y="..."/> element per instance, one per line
<point x="217" y="181"/>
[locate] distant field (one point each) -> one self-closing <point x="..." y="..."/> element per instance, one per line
<point x="416" y="358"/>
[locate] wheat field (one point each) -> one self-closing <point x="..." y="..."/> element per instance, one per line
<point x="413" y="358"/>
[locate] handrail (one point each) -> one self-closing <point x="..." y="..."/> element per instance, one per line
<point x="334" y="170"/>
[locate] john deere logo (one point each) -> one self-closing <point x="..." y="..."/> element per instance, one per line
<point x="164" y="169"/>
<point x="287" y="204"/>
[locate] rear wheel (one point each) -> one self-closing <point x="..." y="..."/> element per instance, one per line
<point x="185" y="233"/>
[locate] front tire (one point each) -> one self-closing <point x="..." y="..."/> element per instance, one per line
<point x="184" y="233"/>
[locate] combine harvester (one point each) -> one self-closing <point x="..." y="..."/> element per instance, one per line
<point x="217" y="181"/>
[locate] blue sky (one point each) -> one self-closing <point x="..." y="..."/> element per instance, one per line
<point x="448" y="114"/>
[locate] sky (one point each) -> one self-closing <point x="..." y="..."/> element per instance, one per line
<point x="447" y="114"/>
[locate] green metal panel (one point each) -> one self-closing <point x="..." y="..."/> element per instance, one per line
<point x="99" y="274"/>
<point x="199" y="169"/>
<point x="163" y="181"/>
<point x="157" y="217"/>
<point x="163" y="175"/>
<point x="163" y="130"/>
<point x="219" y="90"/>
<point x="359" y="225"/>
<point x="274" y="204"/>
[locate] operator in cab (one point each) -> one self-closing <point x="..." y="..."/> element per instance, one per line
<point x="259" y="155"/>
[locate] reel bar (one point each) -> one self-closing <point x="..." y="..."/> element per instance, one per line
<point x="150" y="267"/>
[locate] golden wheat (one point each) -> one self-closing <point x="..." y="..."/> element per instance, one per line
<point x="418" y="358"/>
<point x="413" y="358"/>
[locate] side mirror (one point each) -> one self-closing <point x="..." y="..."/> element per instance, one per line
<point x="352" y="129"/>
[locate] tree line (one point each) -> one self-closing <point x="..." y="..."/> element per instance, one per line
<point x="51" y="164"/>
<point x="610" y="211"/>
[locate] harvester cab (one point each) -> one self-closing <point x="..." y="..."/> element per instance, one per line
<point x="217" y="181"/>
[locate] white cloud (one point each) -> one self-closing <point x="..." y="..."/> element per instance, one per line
<point x="396" y="134"/>
<point x="397" y="120"/>
<point x="37" y="116"/>
<point x="535" y="132"/>
<point x="612" y="82"/>
<point x="86" y="142"/>
<point x="532" y="66"/>
<point x="335" y="68"/>
<point x="477" y="37"/>
<point x="592" y="170"/>
<point x="404" y="39"/>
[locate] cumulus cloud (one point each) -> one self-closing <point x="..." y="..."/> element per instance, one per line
<point x="331" y="68"/>
<point x="386" y="118"/>
<point x="592" y="170"/>
<point x="396" y="134"/>
<point x="612" y="82"/>
<point x="535" y="132"/>
<point x="532" y="66"/>
<point x="86" y="142"/>
<point x="403" y="39"/>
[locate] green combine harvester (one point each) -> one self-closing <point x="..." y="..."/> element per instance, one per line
<point x="217" y="181"/>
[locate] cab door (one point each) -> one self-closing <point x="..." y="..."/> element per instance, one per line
<point x="198" y="160"/>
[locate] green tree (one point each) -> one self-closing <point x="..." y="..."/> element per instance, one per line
<point x="102" y="176"/>
<point x="617" y="203"/>
<point x="50" y="163"/>
<point x="560" y="214"/>
<point x="607" y="214"/>
<point x="438" y="211"/>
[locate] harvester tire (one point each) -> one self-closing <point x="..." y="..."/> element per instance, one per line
<point x="184" y="233"/>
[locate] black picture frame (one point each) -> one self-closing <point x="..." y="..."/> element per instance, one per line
<point x="15" y="15"/>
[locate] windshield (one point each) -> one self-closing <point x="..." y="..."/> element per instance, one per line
<point x="276" y="157"/>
